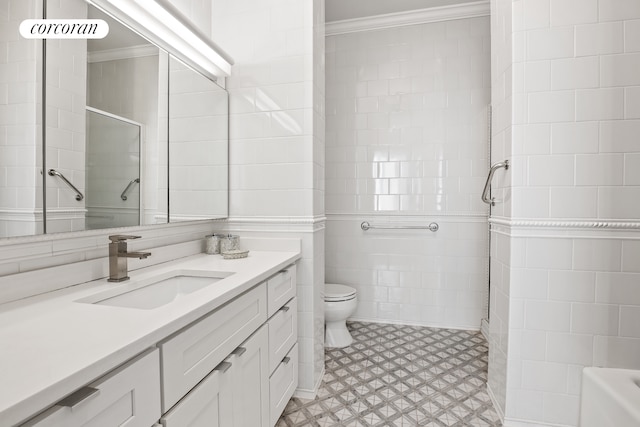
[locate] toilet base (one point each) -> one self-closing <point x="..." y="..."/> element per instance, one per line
<point x="337" y="335"/>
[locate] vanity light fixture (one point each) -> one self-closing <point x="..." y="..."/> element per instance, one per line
<point x="163" y="24"/>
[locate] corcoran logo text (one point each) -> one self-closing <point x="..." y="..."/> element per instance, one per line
<point x="64" y="28"/>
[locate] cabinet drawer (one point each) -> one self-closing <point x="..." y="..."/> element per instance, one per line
<point x="209" y="404"/>
<point x="283" y="332"/>
<point x="281" y="288"/>
<point x="283" y="383"/>
<point x="189" y="355"/>
<point x="129" y="395"/>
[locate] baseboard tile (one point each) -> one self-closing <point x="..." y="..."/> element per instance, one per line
<point x="301" y="393"/>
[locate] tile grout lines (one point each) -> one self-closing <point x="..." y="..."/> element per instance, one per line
<point x="396" y="375"/>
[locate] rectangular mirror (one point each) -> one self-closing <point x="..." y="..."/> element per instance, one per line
<point x="104" y="158"/>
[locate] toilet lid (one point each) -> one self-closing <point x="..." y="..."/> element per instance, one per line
<point x="333" y="291"/>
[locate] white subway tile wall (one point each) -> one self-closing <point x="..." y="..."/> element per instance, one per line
<point x="409" y="276"/>
<point x="565" y="113"/>
<point x="581" y="309"/>
<point x="198" y="146"/>
<point x="19" y="163"/>
<point x="587" y="94"/>
<point x="276" y="104"/>
<point x="66" y="86"/>
<point x="276" y="152"/>
<point x="407" y="144"/>
<point x="505" y="76"/>
<point x="406" y="125"/>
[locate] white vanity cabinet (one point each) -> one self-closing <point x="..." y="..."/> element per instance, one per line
<point x="189" y="355"/>
<point x="224" y="369"/>
<point x="129" y="395"/>
<point x="283" y="336"/>
<point x="236" y="366"/>
<point x="235" y="393"/>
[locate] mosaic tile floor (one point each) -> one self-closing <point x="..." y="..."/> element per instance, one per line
<point x="394" y="375"/>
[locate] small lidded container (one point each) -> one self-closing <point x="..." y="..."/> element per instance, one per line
<point x="229" y="243"/>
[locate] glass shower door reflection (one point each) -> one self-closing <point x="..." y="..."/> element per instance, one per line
<point x="113" y="183"/>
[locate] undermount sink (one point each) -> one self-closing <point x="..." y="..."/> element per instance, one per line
<point x="610" y="397"/>
<point x="157" y="291"/>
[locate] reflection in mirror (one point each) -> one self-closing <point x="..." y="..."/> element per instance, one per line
<point x="103" y="129"/>
<point x="198" y="145"/>
<point x="113" y="170"/>
<point x="124" y="79"/>
<point x="90" y="86"/>
<point x="20" y="123"/>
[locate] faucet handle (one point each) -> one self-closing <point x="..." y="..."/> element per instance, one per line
<point x="122" y="237"/>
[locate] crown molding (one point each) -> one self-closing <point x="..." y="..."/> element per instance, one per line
<point x="414" y="17"/>
<point x="122" y="53"/>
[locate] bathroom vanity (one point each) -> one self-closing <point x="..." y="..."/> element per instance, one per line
<point x="194" y="342"/>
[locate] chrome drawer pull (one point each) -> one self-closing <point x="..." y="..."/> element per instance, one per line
<point x="286" y="360"/>
<point x="222" y="367"/>
<point x="78" y="397"/>
<point x="284" y="308"/>
<point x="239" y="351"/>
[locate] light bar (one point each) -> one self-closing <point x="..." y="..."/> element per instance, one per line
<point x="161" y="23"/>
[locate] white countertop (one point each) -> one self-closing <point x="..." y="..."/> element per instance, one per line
<point x="51" y="345"/>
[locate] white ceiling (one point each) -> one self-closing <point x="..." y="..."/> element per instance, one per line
<point x="337" y="10"/>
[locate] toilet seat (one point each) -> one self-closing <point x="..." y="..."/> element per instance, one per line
<point x="337" y="293"/>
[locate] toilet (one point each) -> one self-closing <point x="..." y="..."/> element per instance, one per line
<point x="339" y="303"/>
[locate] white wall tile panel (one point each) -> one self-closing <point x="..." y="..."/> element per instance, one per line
<point x="277" y="141"/>
<point x="411" y="277"/>
<point x="620" y="70"/>
<point x="550" y="43"/>
<point x="619" y="136"/>
<point x="573" y="202"/>
<point x="65" y="120"/>
<point x="599" y="39"/>
<point x="573" y="137"/>
<point x="573" y="12"/>
<point x="600" y="104"/>
<point x="406" y="136"/>
<point x="618" y="10"/>
<point x="632" y="36"/>
<point x="632" y="103"/>
<point x="564" y="101"/>
<point x="575" y="73"/>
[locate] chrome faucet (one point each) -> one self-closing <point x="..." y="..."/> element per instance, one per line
<point x="118" y="271"/>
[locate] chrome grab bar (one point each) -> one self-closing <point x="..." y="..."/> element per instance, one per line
<point x="433" y="227"/>
<point x="487" y="185"/>
<point x="123" y="196"/>
<point x="53" y="172"/>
